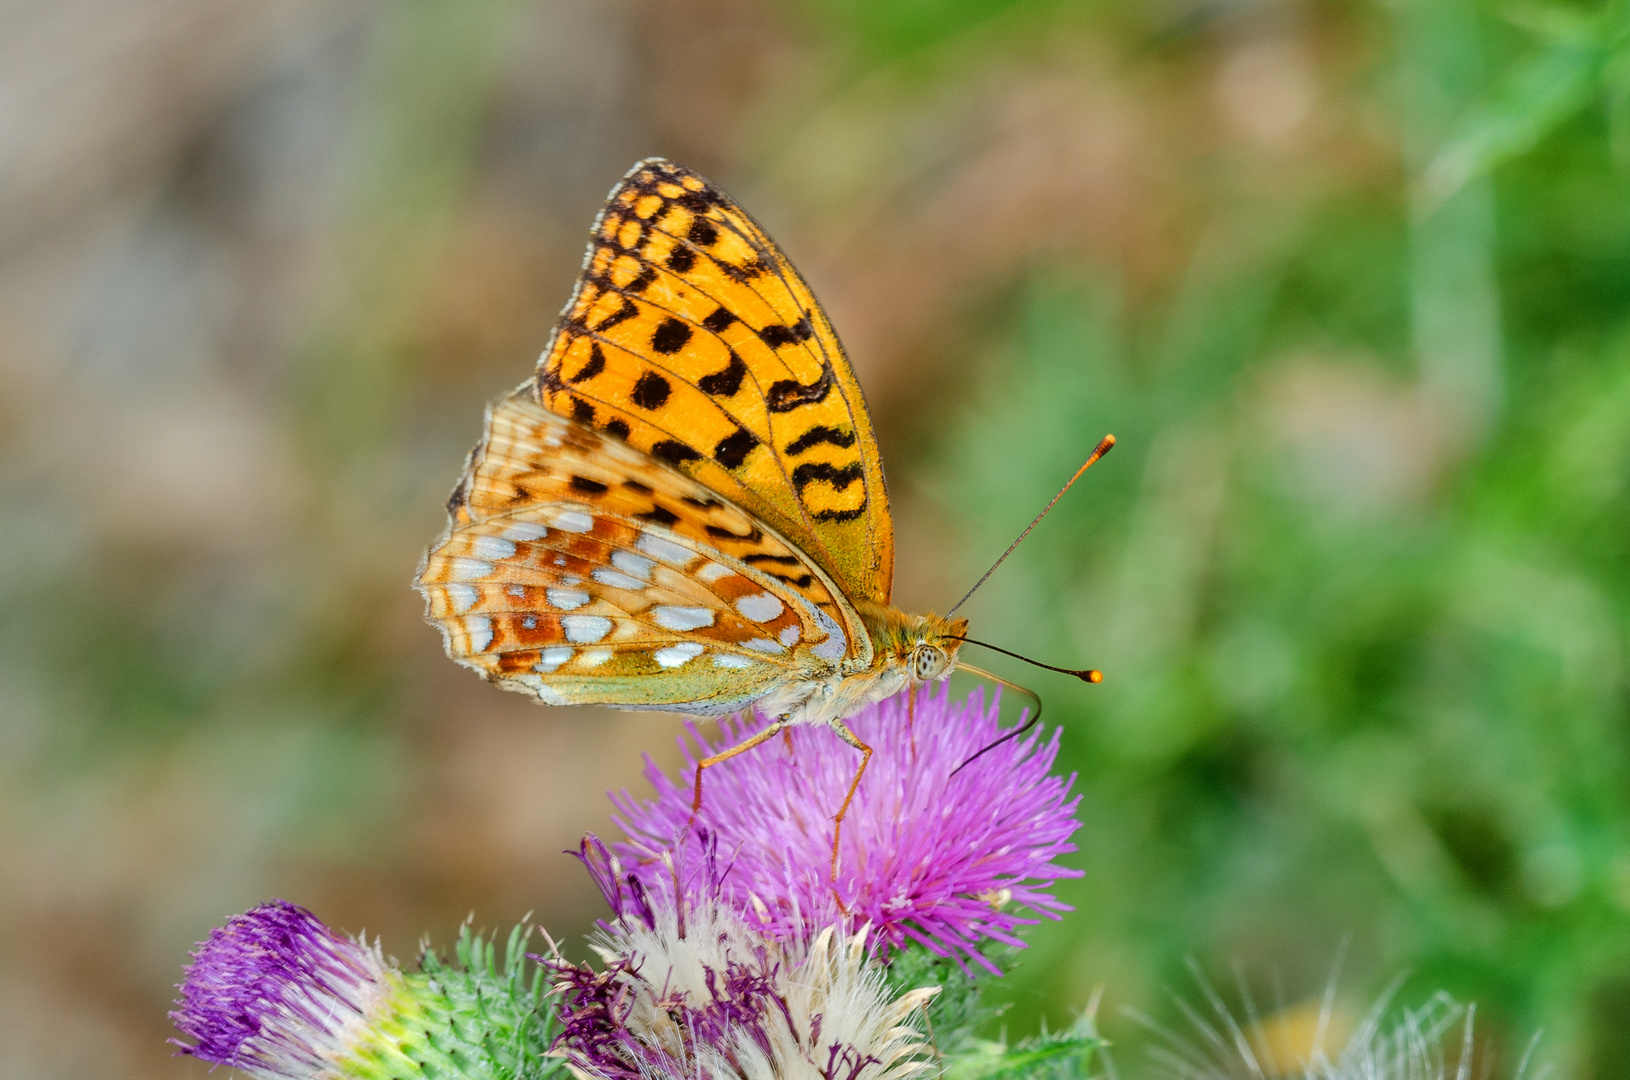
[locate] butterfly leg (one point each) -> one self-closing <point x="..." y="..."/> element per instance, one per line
<point x="725" y="755"/>
<point x="837" y="822"/>
<point x="911" y="719"/>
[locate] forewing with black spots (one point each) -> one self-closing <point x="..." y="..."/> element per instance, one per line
<point x="692" y="338"/>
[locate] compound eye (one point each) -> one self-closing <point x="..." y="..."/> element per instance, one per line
<point x="929" y="662"/>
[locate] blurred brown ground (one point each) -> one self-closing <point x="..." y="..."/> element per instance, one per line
<point x="261" y="264"/>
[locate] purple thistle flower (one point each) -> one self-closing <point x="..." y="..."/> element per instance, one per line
<point x="929" y="854"/>
<point x="277" y="994"/>
<point x="688" y="989"/>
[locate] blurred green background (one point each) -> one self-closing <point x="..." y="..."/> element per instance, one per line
<point x="1349" y="281"/>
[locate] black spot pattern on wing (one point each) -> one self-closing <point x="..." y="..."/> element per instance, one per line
<point x="719" y="320"/>
<point x="642" y="280"/>
<point x="670" y="337"/>
<point x="675" y="452"/>
<point x="812" y="471"/>
<point x="703" y="233"/>
<point x="819" y="434"/>
<point x="651" y="391"/>
<point x="460" y="497"/>
<point x="681" y="260"/>
<point x="733" y="449"/>
<point x="658" y="515"/>
<point x="759" y="559"/>
<point x="777" y="335"/>
<point x="841" y="515"/>
<point x="725" y="383"/>
<point x="548" y="383"/>
<point x="752" y="536"/>
<point x="788" y="394"/>
<point x="745" y="272"/>
<point x="596" y="364"/>
<point x="628" y="311"/>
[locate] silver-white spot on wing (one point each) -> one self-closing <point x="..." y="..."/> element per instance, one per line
<point x="789" y="637"/>
<point x="524" y="530"/>
<point x="764" y="645"/>
<point x="616" y="580"/>
<point x="659" y="547"/>
<point x="550" y="659"/>
<point x="670" y="617"/>
<point x="530" y="622"/>
<point x="634" y="565"/>
<point x="566" y="599"/>
<point x="493" y="547"/>
<point x="731" y="660"/>
<point x="583" y="629"/>
<point x="677" y="655"/>
<point x="712" y="572"/>
<point x="517" y="591"/>
<point x="760" y="607"/>
<point x="479" y="627"/>
<point x="569" y="520"/>
<point x="595" y="657"/>
<point x="461" y="569"/>
<point x="836" y="644"/>
<point x="461" y="597"/>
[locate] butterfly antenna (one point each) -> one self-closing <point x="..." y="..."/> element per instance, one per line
<point x="1102" y="448"/>
<point x="1092" y="675"/>
<point x="1016" y="732"/>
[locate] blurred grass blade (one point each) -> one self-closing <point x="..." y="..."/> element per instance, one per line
<point x="1541" y="94"/>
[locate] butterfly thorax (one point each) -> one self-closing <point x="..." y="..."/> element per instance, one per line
<point x="907" y="650"/>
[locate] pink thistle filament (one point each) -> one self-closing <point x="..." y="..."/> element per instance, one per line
<point x="944" y="858"/>
<point x="277" y="995"/>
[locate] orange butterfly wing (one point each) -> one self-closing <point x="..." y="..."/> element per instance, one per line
<point x="693" y="338"/>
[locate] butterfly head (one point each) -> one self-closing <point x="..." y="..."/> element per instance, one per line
<point x="922" y="647"/>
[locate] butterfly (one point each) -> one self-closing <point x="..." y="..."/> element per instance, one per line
<point x="684" y="508"/>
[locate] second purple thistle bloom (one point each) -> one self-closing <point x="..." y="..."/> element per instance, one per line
<point x="946" y="861"/>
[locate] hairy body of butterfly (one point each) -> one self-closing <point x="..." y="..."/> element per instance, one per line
<point x="684" y="509"/>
